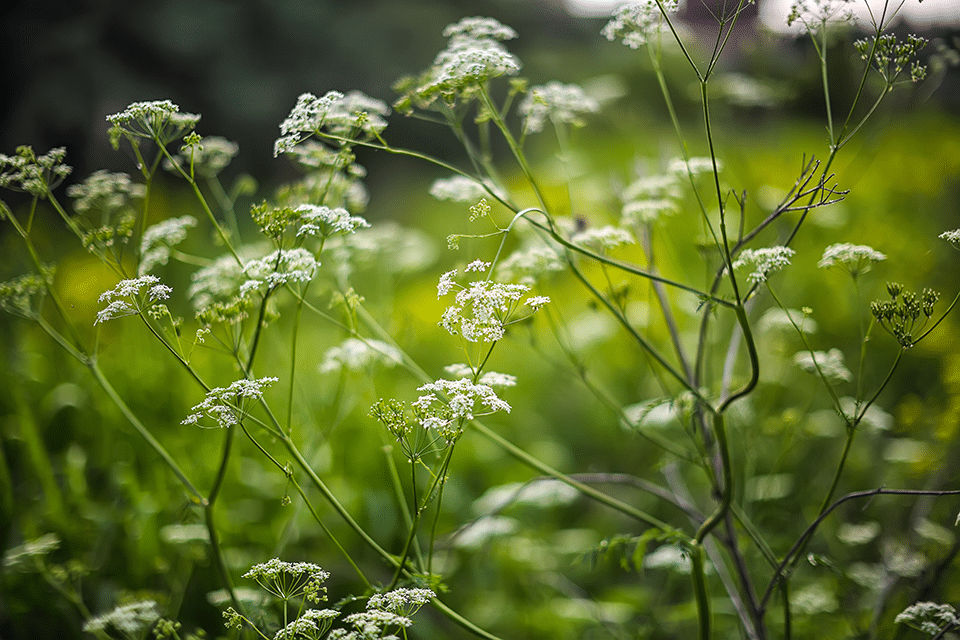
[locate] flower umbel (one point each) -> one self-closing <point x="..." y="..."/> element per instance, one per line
<point x="636" y="23"/>
<point x="763" y="261"/>
<point x="160" y="120"/>
<point x="228" y="405"/>
<point x="855" y="259"/>
<point x="931" y="618"/>
<point x="287" y="580"/>
<point x="481" y="312"/>
<point x="126" y="299"/>
<point x="24" y="171"/>
<point x="561" y="103"/>
<point x="465" y="400"/>
<point x="829" y="364"/>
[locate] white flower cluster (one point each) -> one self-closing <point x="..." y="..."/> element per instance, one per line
<point x="474" y="54"/>
<point x="125" y="299"/>
<point x="25" y="556"/>
<point x="953" y="237"/>
<point x="463" y="397"/>
<point x="603" y="238"/>
<point x="160" y="119"/>
<point x="104" y="192"/>
<point x="929" y="617"/>
<point x="358" y="355"/>
<point x="481" y="311"/>
<point x="211" y="156"/>
<point x="556" y="101"/>
<point x="696" y="166"/>
<point x="227" y="405"/>
<point x="278" y="268"/>
<point x="403" y="601"/>
<point x="459" y="188"/>
<point x="371" y="624"/>
<point x="763" y="261"/>
<point x="326" y="222"/>
<point x="525" y="265"/>
<point x="217" y="281"/>
<point x="637" y="22"/>
<point x="24" y="171"/>
<point x="815" y="15"/>
<point x="159" y="238"/>
<point x="129" y="619"/>
<point x="830" y="363"/>
<point x="388" y="246"/>
<point x="288" y="579"/>
<point x="340" y="114"/>
<point x="647" y="198"/>
<point x="490" y="378"/>
<point x="852" y="258"/>
<point x="312" y="625"/>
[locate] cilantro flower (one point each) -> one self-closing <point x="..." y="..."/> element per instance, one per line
<point x="340" y="114"/>
<point x="526" y="265"/>
<point x="129" y="619"/>
<point x="227" y="405"/>
<point x="159" y="120"/>
<point x="280" y="267"/>
<point x="603" y="238"/>
<point x="763" y="261"/>
<point x="852" y="258"/>
<point x="953" y="237"/>
<point x="459" y="188"/>
<point x="404" y="602"/>
<point x="830" y="364"/>
<point x="159" y="239"/>
<point x="326" y="222"/>
<point x="286" y="580"/>
<point x="479" y="27"/>
<point x="465" y="401"/>
<point x="482" y="310"/>
<point x="636" y="23"/>
<point x="929" y="617"/>
<point x="474" y="55"/>
<point x="208" y="157"/>
<point x="312" y="625"/>
<point x="25" y="171"/>
<point x="26" y="556"/>
<point x="556" y="101"/>
<point x="125" y="299"/>
<point x="104" y="193"/>
<point x="816" y="15"/>
<point x="357" y="355"/>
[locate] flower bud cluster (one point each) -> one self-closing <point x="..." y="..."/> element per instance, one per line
<point x="905" y="314"/>
<point x="890" y="56"/>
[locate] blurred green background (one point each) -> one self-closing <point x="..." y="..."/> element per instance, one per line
<point x="73" y="467"/>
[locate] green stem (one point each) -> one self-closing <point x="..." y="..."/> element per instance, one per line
<point x="145" y="433"/>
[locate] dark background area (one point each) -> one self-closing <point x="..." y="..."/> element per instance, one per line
<point x="241" y="65"/>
